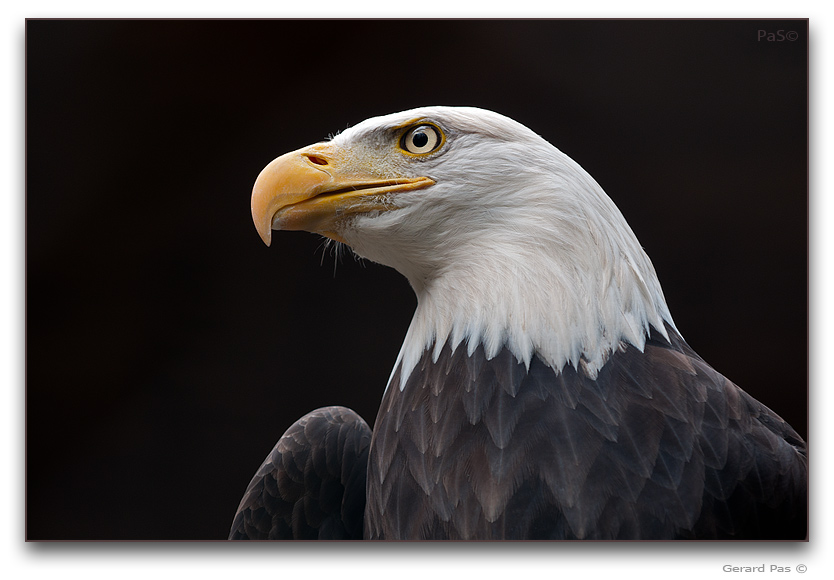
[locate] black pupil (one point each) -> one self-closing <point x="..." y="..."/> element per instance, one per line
<point x="420" y="139"/>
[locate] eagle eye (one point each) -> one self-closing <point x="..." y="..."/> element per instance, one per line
<point x="421" y="139"/>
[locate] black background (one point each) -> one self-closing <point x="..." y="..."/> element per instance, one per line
<point x="168" y="348"/>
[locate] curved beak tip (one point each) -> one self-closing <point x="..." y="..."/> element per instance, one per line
<point x="264" y="229"/>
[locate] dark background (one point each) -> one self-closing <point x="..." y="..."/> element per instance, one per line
<point x="168" y="348"/>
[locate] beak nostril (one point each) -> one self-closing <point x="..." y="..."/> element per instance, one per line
<point x="317" y="160"/>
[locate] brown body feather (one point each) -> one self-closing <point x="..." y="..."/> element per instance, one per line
<point x="658" y="446"/>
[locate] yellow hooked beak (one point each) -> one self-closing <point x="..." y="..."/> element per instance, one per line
<point x="316" y="187"/>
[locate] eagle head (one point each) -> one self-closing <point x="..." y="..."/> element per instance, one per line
<point x="505" y="239"/>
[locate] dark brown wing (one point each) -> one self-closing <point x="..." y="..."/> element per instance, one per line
<point x="658" y="446"/>
<point x="312" y="484"/>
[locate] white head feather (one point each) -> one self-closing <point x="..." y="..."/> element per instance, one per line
<point x="514" y="246"/>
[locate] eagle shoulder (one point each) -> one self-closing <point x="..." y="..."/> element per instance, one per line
<point x="312" y="485"/>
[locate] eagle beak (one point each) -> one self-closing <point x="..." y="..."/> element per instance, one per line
<point x="316" y="188"/>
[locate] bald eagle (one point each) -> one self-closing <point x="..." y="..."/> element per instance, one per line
<point x="542" y="391"/>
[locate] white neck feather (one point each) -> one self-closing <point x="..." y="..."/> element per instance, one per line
<point x="557" y="314"/>
<point x="571" y="296"/>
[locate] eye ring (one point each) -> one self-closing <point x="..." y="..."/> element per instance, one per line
<point x="421" y="139"/>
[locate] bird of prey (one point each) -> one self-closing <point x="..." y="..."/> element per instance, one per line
<point x="542" y="391"/>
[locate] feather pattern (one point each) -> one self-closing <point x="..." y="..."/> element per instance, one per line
<point x="657" y="446"/>
<point x="312" y="484"/>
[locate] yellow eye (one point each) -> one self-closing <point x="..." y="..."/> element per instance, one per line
<point x="421" y="139"/>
